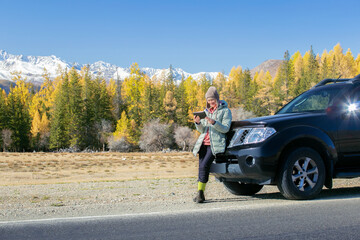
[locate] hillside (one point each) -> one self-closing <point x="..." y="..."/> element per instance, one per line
<point x="269" y="65"/>
<point x="5" y="84"/>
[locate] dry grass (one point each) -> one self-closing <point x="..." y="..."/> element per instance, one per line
<point x="42" y="168"/>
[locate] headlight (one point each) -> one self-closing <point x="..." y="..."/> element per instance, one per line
<point x="244" y="136"/>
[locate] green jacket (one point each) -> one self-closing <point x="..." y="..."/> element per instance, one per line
<point x="222" y="116"/>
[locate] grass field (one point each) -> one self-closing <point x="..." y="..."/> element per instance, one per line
<point x="43" y="168"/>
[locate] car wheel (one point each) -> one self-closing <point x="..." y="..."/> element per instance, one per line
<point x="302" y="175"/>
<point x="245" y="189"/>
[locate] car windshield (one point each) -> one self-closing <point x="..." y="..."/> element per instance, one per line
<point x="316" y="100"/>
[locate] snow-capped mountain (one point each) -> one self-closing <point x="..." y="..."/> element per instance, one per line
<point x="32" y="67"/>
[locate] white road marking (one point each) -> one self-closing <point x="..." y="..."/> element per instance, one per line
<point x="179" y="212"/>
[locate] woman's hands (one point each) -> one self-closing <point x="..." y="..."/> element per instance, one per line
<point x="211" y="121"/>
<point x="197" y="120"/>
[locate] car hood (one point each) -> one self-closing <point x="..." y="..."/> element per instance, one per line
<point x="275" y="119"/>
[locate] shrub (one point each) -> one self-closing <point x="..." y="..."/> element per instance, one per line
<point x="155" y="136"/>
<point x="185" y="138"/>
<point x="119" y="145"/>
<point x="6" y="135"/>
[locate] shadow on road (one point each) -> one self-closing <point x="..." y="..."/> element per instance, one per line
<point x="340" y="193"/>
<point x="336" y="193"/>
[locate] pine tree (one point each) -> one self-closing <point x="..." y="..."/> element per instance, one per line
<point x="324" y="66"/>
<point x="90" y="95"/>
<point x="3" y="114"/>
<point x="182" y="111"/>
<point x="297" y="60"/>
<point x="170" y="81"/>
<point x="60" y="120"/>
<point x="3" y="110"/>
<point x="19" y="121"/>
<point x="76" y="111"/>
<point x="253" y="89"/>
<point x="151" y="104"/>
<point x="116" y="100"/>
<point x="310" y="75"/>
<point x="202" y="87"/>
<point x="284" y="82"/>
<point x="104" y="112"/>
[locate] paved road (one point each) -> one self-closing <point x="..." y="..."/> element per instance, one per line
<point x="316" y="219"/>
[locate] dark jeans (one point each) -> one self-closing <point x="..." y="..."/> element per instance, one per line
<point x="205" y="159"/>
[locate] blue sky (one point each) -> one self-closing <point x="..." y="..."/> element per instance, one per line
<point x="195" y="35"/>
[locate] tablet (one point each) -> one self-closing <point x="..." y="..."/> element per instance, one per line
<point x="201" y="114"/>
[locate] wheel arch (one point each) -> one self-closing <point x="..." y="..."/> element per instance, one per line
<point x="317" y="140"/>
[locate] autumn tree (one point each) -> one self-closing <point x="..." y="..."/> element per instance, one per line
<point x="264" y="100"/>
<point x="123" y="127"/>
<point x="133" y="93"/>
<point x="170" y="105"/>
<point x="310" y="73"/>
<point x="219" y="82"/>
<point x="284" y="83"/>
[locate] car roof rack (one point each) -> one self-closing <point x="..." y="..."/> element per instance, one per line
<point x="332" y="80"/>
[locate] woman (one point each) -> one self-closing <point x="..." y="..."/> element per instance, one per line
<point x="212" y="139"/>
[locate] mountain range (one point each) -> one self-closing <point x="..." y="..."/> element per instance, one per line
<point x="32" y="67"/>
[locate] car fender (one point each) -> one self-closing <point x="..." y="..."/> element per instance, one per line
<point x="296" y="133"/>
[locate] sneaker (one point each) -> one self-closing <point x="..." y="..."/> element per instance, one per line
<point x="200" y="197"/>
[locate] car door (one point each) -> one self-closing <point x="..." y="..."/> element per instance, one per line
<point x="349" y="131"/>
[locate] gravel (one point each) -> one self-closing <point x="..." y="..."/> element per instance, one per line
<point x="47" y="201"/>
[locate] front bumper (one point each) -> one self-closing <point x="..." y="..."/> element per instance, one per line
<point x="256" y="164"/>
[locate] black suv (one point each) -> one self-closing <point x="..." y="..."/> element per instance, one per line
<point x="310" y="141"/>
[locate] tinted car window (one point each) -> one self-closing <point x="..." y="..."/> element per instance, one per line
<point x="314" y="100"/>
<point x="355" y="95"/>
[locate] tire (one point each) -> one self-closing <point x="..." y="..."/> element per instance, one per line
<point x="242" y="189"/>
<point x="302" y="175"/>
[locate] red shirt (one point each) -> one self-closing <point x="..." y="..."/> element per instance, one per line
<point x="207" y="136"/>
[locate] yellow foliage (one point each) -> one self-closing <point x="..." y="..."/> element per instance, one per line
<point x="35" y="125"/>
<point x="122" y="127"/>
<point x="45" y="124"/>
<point x="42" y="101"/>
<point x="358" y="64"/>
<point x="298" y="66"/>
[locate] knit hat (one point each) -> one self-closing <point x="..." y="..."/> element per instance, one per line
<point x="211" y="93"/>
